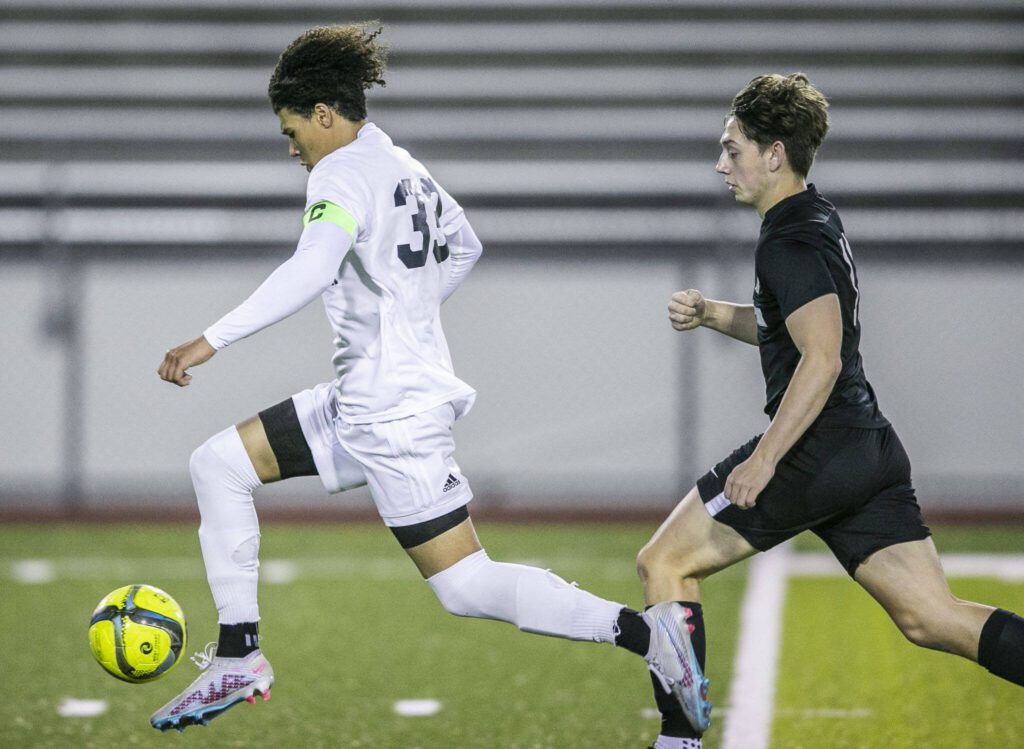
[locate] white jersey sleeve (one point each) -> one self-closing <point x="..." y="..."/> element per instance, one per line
<point x="465" y="250"/>
<point x="453" y="218"/>
<point x="294" y="284"/>
<point x="342" y="198"/>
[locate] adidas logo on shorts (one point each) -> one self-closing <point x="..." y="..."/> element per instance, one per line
<point x="450" y="484"/>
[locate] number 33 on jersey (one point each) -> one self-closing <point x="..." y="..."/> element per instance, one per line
<point x="384" y="307"/>
<point x="424" y="221"/>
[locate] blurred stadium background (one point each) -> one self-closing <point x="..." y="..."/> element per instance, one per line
<point x="146" y="190"/>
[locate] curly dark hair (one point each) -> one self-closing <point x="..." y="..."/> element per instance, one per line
<point x="783" y="108"/>
<point x="333" y="65"/>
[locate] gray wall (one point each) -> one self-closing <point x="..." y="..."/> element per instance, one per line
<point x="586" y="395"/>
<point x="144" y="190"/>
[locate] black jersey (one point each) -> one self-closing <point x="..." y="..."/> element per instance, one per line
<point x="802" y="254"/>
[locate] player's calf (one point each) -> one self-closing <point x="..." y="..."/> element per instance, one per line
<point x="945" y="623"/>
<point x="992" y="637"/>
<point x="539" y="601"/>
<point x="533" y="599"/>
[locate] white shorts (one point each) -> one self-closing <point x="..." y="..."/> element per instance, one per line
<point x="407" y="463"/>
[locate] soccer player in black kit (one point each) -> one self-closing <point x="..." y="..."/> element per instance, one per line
<point x="829" y="461"/>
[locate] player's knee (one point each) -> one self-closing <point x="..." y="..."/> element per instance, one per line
<point x="202" y="462"/>
<point x="466" y="589"/>
<point x="453" y="592"/>
<point x="644" y="561"/>
<point x="916" y="632"/>
<point x="923" y="630"/>
<point x="649" y="562"/>
<point x="454" y="599"/>
<point x="654" y="561"/>
<point x="222" y="461"/>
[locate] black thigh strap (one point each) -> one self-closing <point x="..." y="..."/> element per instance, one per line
<point x="414" y="535"/>
<point x="284" y="434"/>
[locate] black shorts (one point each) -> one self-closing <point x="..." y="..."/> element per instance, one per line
<point x="850" y="486"/>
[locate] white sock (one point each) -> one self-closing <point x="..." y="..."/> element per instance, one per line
<point x="533" y="599"/>
<point x="673" y="742"/>
<point x="229" y="535"/>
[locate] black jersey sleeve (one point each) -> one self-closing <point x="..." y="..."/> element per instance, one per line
<point x="794" y="273"/>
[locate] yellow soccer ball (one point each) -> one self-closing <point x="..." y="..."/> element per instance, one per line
<point x="137" y="633"/>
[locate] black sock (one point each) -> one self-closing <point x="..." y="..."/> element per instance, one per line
<point x="633" y="633"/>
<point x="673" y="720"/>
<point x="238" y="640"/>
<point x="1001" y="648"/>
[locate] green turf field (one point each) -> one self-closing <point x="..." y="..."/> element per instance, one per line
<point x="849" y="680"/>
<point x="351" y="629"/>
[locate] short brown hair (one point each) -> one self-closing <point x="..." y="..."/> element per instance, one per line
<point x="783" y="108"/>
<point x="333" y="65"/>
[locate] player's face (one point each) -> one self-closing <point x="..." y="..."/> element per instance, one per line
<point x="308" y="140"/>
<point x="742" y="164"/>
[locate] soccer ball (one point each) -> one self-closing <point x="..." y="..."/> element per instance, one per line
<point x="137" y="633"/>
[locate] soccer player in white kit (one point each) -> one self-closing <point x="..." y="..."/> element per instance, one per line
<point x="383" y="245"/>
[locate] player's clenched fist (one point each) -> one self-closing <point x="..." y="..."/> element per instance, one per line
<point x="178" y="359"/>
<point x="687" y="309"/>
<point x="747" y="480"/>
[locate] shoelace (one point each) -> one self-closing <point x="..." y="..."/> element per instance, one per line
<point x="204" y="658"/>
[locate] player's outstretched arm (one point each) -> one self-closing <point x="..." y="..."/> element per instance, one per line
<point x="689" y="309"/>
<point x="177" y="360"/>
<point x="294" y="284"/>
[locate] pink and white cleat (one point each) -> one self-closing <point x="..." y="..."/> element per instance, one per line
<point x="224" y="683"/>
<point x="672" y="660"/>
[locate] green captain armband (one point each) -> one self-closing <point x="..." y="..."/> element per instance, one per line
<point x="328" y="211"/>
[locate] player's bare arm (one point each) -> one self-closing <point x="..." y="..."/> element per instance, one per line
<point x="734" y="320"/>
<point x="817" y="332"/>
<point x="690" y="309"/>
<point x="179" y="359"/>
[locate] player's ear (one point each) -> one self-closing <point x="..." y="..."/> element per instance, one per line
<point x="777" y="157"/>
<point x="323" y="115"/>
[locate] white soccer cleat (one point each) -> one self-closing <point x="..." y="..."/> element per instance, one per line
<point x="672" y="660"/>
<point x="224" y="683"/>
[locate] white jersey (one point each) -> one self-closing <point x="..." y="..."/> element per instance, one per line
<point x="391" y="357"/>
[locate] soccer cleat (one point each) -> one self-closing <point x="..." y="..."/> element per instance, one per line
<point x="223" y="683"/>
<point x="672" y="660"/>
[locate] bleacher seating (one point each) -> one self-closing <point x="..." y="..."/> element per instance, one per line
<point x="135" y="124"/>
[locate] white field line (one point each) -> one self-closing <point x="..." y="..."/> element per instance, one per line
<point x="752" y="694"/>
<point x="278" y="571"/>
<point x="33" y="571"/>
<point x="71" y="707"/>
<point x="421" y="708"/>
